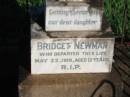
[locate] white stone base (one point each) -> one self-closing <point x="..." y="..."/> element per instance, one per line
<point x="71" y="55"/>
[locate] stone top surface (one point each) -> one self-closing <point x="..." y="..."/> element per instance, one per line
<point x="38" y="32"/>
<point x="68" y="79"/>
<point x="71" y="85"/>
<point x="62" y="79"/>
<point x="92" y="3"/>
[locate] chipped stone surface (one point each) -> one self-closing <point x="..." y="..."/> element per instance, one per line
<point x="37" y="32"/>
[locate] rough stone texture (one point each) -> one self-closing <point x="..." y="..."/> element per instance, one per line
<point x="70" y="85"/>
<point x="37" y="32"/>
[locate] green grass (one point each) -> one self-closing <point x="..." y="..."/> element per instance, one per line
<point x="118" y="14"/>
<point x="128" y="16"/>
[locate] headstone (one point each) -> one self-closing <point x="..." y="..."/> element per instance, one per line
<point x="72" y="55"/>
<point x="74" y="16"/>
<point x="75" y="40"/>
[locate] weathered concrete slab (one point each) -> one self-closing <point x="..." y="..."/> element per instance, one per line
<point x="71" y="85"/>
<point x="71" y="55"/>
<point x="73" y="16"/>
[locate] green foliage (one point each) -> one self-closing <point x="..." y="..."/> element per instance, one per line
<point x="128" y="15"/>
<point x="115" y="12"/>
<point x="24" y="3"/>
<point x="118" y="14"/>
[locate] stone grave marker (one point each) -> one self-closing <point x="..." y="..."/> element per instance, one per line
<point x="72" y="55"/>
<point x="76" y="44"/>
<point x="75" y="16"/>
<point x="74" y="40"/>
